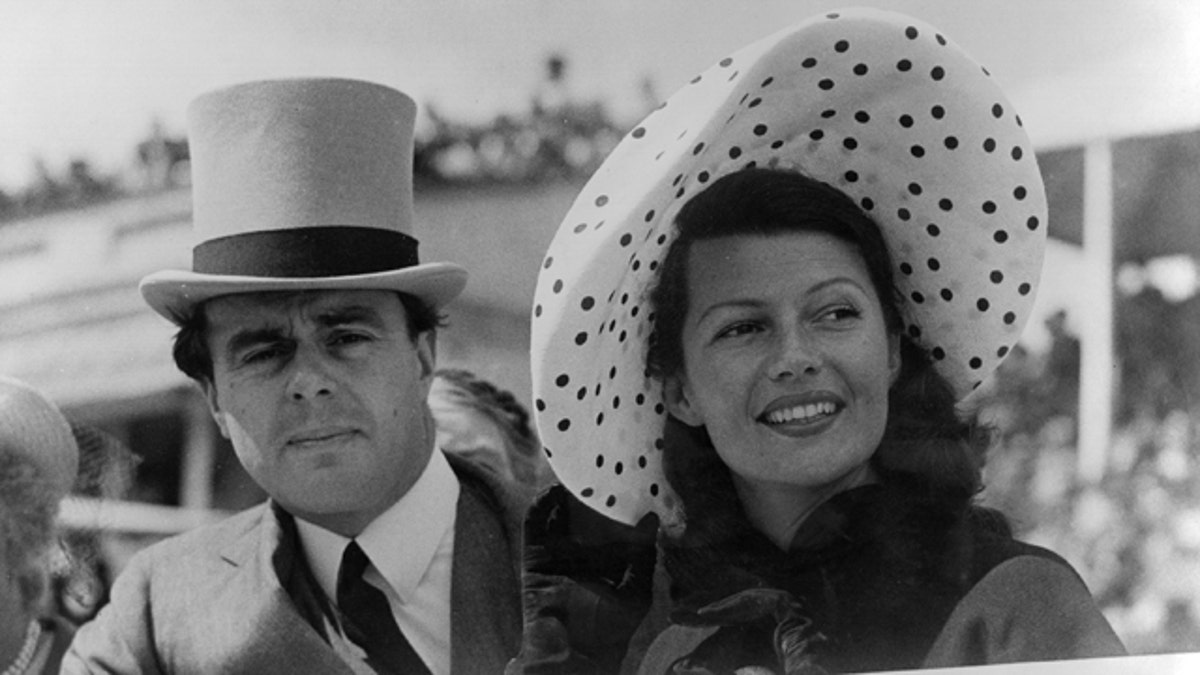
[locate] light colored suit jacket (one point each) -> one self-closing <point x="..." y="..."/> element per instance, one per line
<point x="237" y="597"/>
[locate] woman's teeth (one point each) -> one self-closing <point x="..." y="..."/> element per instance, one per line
<point x="801" y="413"/>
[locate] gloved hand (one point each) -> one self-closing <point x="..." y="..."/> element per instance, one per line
<point x="587" y="584"/>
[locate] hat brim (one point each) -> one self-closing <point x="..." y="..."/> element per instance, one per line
<point x="174" y="294"/>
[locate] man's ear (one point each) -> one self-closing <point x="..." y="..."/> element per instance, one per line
<point x="678" y="399"/>
<point x="214" y="407"/>
<point x="426" y="346"/>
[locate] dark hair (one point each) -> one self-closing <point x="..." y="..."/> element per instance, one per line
<point x="191" y="341"/>
<point x="926" y="445"/>
<point x="506" y="411"/>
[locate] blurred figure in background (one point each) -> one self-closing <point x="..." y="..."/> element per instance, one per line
<point x="38" y="463"/>
<point x="481" y="422"/>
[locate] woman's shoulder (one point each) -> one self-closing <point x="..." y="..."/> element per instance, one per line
<point x="1027" y="604"/>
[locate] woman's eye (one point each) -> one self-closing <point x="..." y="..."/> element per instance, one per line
<point x="841" y="313"/>
<point x="738" y="329"/>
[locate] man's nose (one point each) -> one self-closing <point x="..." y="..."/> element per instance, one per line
<point x="310" y="377"/>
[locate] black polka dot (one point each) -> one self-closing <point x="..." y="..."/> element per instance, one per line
<point x="917" y="151"/>
<point x="906" y="268"/>
<point x="951" y="142"/>
<point x="976" y="363"/>
<point x="937" y="73"/>
<point x="540" y="405"/>
<point x="599" y="461"/>
<point x="997" y="111"/>
<point x="938" y="353"/>
<point x="904" y="65"/>
<point x="1017" y="153"/>
<point x="581" y="394"/>
<point x="825" y="84"/>
<point x="941" y="40"/>
<point x="904" y="214"/>
<point x="618" y="468"/>
<point x="933" y="230"/>
<point x="982" y="304"/>
<point x="612" y="499"/>
<point x="849" y="143"/>
<point x="826" y="114"/>
<point x="639" y="132"/>
<point x="698" y="149"/>
<point x="861" y="69"/>
<point x="809" y="62"/>
<point x="775" y="145"/>
<point x="911" y="32"/>
<point x="1019" y="192"/>
<point x="947" y="294"/>
<point x="580" y="228"/>
<point x="989" y="145"/>
<point x="601" y="200"/>
<point x="558" y="286"/>
<point x="735" y="152"/>
<point x="938" y="112"/>
<point x="562" y="380"/>
<point x="587" y="303"/>
<point x="654" y="489"/>
<point x="755" y="103"/>
<point x="851" y="176"/>
<point x="1024" y="289"/>
<point x="760" y="129"/>
<point x="997" y="276"/>
<point x="867" y="203"/>
<point x="1032" y="223"/>
<point x="906" y="121"/>
<point x="841" y="46"/>
<point x="537" y="311"/>
<point x="726" y="61"/>
<point x="564" y="424"/>
<point x="547" y="263"/>
<point x="989" y="207"/>
<point x="917" y="297"/>
<point x="641" y="461"/>
<point x="914" y="331"/>
<point x="933" y="264"/>
<point x="1002" y="352"/>
<point x="862" y="116"/>
<point x="612" y="372"/>
<point x="599" y="419"/>
<point x="914" y="188"/>
<point x="1010" y="318"/>
<point x="581" y="337"/>
<point x="587" y="492"/>
<point x="945" y="204"/>
<point x="767" y="82"/>
<point x="1000" y="237"/>
<point x="816" y="134"/>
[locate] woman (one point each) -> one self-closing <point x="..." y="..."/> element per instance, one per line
<point x="38" y="461"/>
<point x="755" y="326"/>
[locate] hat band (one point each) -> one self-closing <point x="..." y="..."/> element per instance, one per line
<point x="306" y="252"/>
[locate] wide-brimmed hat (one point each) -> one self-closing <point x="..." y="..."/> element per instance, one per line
<point x="876" y="104"/>
<point x="301" y="184"/>
<point x="34" y="428"/>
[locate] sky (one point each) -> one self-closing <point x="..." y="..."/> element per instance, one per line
<point x="88" y="78"/>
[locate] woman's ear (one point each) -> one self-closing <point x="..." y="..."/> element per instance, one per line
<point x="678" y="399"/>
<point x="895" y="360"/>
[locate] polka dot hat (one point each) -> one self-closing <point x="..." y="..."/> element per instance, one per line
<point x="877" y="104"/>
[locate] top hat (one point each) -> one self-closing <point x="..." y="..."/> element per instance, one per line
<point x="878" y="105"/>
<point x="302" y="184"/>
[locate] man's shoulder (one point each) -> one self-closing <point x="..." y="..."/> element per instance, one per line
<point x="211" y="539"/>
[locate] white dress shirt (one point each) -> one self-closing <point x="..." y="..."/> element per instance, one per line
<point x="411" y="547"/>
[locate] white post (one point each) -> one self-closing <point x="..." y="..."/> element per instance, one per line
<point x="1097" y="362"/>
<point x="199" y="450"/>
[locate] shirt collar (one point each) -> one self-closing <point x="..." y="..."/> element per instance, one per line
<point x="401" y="542"/>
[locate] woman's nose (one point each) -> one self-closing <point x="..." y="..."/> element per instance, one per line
<point x="309" y="377"/>
<point x="795" y="355"/>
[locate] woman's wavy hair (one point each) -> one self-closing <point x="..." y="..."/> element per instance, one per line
<point x="28" y="507"/>
<point x="928" y="448"/>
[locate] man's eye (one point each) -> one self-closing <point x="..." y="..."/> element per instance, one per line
<point x="262" y="355"/>
<point x="346" y="339"/>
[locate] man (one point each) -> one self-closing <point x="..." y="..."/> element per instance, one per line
<point x="310" y="325"/>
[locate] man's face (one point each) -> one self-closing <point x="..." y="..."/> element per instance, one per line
<point x="323" y="395"/>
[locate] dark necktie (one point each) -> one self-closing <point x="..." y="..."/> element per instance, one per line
<point x="368" y="621"/>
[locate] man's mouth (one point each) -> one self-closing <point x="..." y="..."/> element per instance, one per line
<point x="319" y="436"/>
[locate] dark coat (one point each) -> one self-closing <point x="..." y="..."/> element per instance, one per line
<point x="875" y="580"/>
<point x="237" y="597"/>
